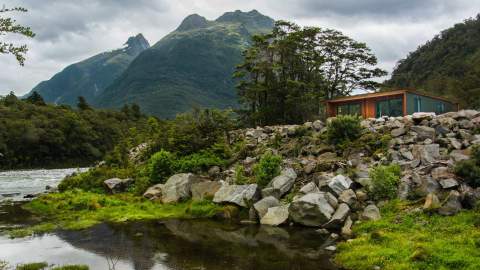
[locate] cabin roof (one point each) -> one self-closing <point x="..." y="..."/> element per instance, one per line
<point x="384" y="94"/>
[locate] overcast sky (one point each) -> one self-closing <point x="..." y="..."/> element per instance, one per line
<point x="70" y="31"/>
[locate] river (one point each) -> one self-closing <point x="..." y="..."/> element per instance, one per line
<point x="162" y="244"/>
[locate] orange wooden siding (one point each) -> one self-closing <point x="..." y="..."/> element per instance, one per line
<point x="368" y="104"/>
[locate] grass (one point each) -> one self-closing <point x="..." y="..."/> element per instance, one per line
<point x="78" y="210"/>
<point x="44" y="265"/>
<point x="405" y="239"/>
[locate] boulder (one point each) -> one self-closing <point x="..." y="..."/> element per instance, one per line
<point x="448" y="183"/>
<point x="117" y="185"/>
<point x="371" y="212"/>
<point x="452" y="204"/>
<point x="426" y="153"/>
<point x="312" y="209"/>
<point x="467" y="114"/>
<point x="205" y="190"/>
<point x="339" y="183"/>
<point x="178" y="187"/>
<point x="317" y="125"/>
<point x="455" y="143"/>
<point x="154" y="192"/>
<point x="348" y="196"/>
<point x="441" y="173"/>
<point x="275" y="216"/>
<point x="458" y="155"/>
<point x="309" y="188"/>
<point x="431" y="202"/>
<point x="241" y="195"/>
<point x="347" y="228"/>
<point x="398" y="132"/>
<point x="421" y="116"/>
<point x="423" y="132"/>
<point x="284" y="182"/>
<point x="424" y="185"/>
<point x="262" y="206"/>
<point x="338" y="217"/>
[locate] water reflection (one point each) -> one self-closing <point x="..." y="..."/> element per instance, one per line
<point x="175" y="244"/>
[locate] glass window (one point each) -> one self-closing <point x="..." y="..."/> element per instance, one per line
<point x="349" y="109"/>
<point x="418" y="104"/>
<point x="389" y="107"/>
<point x="440" y="108"/>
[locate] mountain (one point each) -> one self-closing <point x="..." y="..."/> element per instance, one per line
<point x="90" y="77"/>
<point x="448" y="65"/>
<point x="191" y="66"/>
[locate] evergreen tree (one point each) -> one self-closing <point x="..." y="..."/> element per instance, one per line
<point x="82" y="104"/>
<point x="287" y="73"/>
<point x="36" y="98"/>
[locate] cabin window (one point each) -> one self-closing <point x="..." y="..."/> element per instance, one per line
<point x="389" y="107"/>
<point x="349" y="109"/>
<point x="418" y="104"/>
<point x="440" y="108"/>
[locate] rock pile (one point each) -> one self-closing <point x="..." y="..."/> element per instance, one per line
<point x="319" y="188"/>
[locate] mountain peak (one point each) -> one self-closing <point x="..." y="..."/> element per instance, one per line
<point x="137" y="44"/>
<point x="253" y="19"/>
<point x="193" y="21"/>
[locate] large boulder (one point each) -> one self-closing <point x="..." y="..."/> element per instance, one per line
<point x="205" y="190"/>
<point x="264" y="204"/>
<point x="178" y="187"/>
<point x="339" y="183"/>
<point x="431" y="202"/>
<point x="309" y="188"/>
<point x="452" y="204"/>
<point x="241" y="195"/>
<point x="154" y="193"/>
<point x="117" y="185"/>
<point x="275" y="216"/>
<point x="424" y="185"/>
<point x="312" y="209"/>
<point x="421" y="116"/>
<point x="424" y="132"/>
<point x="281" y="184"/>
<point x="426" y="153"/>
<point x="339" y="216"/>
<point x="371" y="212"/>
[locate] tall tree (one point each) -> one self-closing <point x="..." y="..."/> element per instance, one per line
<point x="288" y="72"/>
<point x="82" y="104"/>
<point x="9" y="25"/>
<point x="36" y="98"/>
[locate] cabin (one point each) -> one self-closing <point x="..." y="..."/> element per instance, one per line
<point x="391" y="103"/>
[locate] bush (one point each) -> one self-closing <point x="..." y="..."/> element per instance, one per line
<point x="32" y="266"/>
<point x="199" y="162"/>
<point x="385" y="181"/>
<point x="240" y="178"/>
<point x="267" y="168"/>
<point x="469" y="170"/>
<point x="92" y="180"/>
<point x="161" y="166"/>
<point x="344" y="129"/>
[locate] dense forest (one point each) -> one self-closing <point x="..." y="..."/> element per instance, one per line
<point x="448" y="65"/>
<point x="36" y="134"/>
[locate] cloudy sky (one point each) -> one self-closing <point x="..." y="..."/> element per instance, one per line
<point x="69" y="31"/>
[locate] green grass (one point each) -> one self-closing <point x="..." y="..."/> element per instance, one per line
<point x="403" y="239"/>
<point x="78" y="210"/>
<point x="32" y="266"/>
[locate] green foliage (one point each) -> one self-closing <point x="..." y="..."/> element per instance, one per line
<point x="76" y="209"/>
<point x="240" y="178"/>
<point x="161" y="166"/>
<point x="469" y="169"/>
<point x="448" y="65"/>
<point x="90" y="77"/>
<point x="267" y="168"/>
<point x="32" y="266"/>
<point x="286" y="74"/>
<point x="10" y="26"/>
<point x="34" y="135"/>
<point x="192" y="65"/>
<point x="344" y="129"/>
<point x="407" y="239"/>
<point x="385" y="181"/>
<point x="92" y="180"/>
<point x="199" y="162"/>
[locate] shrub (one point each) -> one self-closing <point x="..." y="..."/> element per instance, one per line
<point x="469" y="169"/>
<point x="161" y="166"/>
<point x="92" y="180"/>
<point x="385" y="180"/>
<point x="344" y="129"/>
<point x="240" y="177"/>
<point x="199" y="162"/>
<point x="32" y="266"/>
<point x="267" y="168"/>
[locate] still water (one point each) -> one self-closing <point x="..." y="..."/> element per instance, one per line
<point x="167" y="244"/>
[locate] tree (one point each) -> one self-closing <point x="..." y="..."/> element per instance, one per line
<point x="36" y="98"/>
<point x="82" y="104"/>
<point x="9" y="25"/>
<point x="288" y="72"/>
